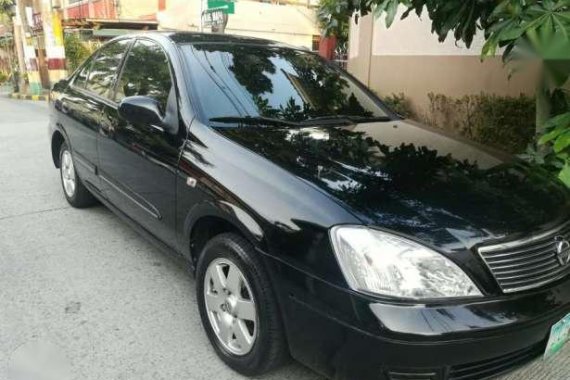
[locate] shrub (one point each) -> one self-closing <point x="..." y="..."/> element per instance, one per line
<point x="503" y="122"/>
<point x="400" y="104"/>
<point x="76" y="50"/>
<point x="506" y="122"/>
<point x="4" y="77"/>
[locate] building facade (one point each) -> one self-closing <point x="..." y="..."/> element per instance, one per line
<point x="40" y="26"/>
<point x="290" y="21"/>
<point x="109" y="18"/>
<point x="112" y="9"/>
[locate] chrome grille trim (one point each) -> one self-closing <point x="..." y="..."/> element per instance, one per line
<point x="527" y="263"/>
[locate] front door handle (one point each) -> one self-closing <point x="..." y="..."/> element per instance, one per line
<point x="191" y="181"/>
<point x="64" y="107"/>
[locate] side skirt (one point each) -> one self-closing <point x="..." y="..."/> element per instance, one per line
<point x="177" y="257"/>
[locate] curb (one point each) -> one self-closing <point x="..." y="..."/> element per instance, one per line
<point x="44" y="98"/>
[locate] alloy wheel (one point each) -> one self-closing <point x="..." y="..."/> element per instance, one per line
<point x="68" y="173"/>
<point x="230" y="306"/>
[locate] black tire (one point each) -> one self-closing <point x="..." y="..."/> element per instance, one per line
<point x="269" y="350"/>
<point x="81" y="197"/>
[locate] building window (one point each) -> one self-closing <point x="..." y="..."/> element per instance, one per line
<point x="316" y="43"/>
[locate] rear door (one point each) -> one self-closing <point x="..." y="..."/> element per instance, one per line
<point x="77" y="121"/>
<point x="82" y="104"/>
<point x="139" y="164"/>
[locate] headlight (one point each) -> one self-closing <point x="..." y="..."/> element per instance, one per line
<point x="382" y="263"/>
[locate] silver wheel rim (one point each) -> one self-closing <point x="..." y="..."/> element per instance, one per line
<point x="68" y="173"/>
<point x="230" y="306"/>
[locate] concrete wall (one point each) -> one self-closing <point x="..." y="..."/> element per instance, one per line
<point x="292" y="24"/>
<point x="408" y="58"/>
<point x="138" y="9"/>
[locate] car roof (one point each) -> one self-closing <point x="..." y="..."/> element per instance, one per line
<point x="183" y="38"/>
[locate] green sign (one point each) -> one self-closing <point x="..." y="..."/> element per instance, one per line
<point x="227" y="7"/>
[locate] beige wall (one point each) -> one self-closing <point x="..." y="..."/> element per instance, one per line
<point x="291" y="24"/>
<point x="409" y="59"/>
<point x="360" y="49"/>
<point x="134" y="9"/>
<point x="455" y="76"/>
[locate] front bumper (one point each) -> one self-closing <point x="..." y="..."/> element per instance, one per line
<point x="344" y="335"/>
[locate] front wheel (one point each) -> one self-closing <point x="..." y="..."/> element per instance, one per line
<point x="75" y="192"/>
<point x="238" y="308"/>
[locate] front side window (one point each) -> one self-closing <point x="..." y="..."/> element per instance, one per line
<point x="275" y="82"/>
<point x="146" y="73"/>
<point x="105" y="67"/>
<point x="81" y="77"/>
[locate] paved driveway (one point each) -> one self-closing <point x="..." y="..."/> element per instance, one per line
<point x="80" y="289"/>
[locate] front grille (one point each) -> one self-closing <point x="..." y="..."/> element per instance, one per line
<point x="479" y="370"/>
<point x="529" y="263"/>
<point x="419" y="375"/>
<point x="496" y="366"/>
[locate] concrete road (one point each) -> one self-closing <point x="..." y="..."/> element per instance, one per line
<point x="83" y="297"/>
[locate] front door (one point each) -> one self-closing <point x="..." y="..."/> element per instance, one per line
<point x="138" y="164"/>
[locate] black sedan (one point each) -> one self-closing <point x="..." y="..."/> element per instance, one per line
<point x="318" y="223"/>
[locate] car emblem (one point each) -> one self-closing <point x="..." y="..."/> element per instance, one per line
<point x="562" y="250"/>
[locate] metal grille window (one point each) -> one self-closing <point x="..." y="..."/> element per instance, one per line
<point x="530" y="263"/>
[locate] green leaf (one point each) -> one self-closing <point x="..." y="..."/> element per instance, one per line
<point x="549" y="136"/>
<point x="565" y="15"/>
<point x="391" y="12"/>
<point x="549" y="4"/>
<point x="533" y="38"/>
<point x="536" y="23"/>
<point x="564" y="175"/>
<point x="547" y="31"/>
<point x="499" y="10"/>
<point x="562" y="142"/>
<point x="490" y="48"/>
<point x="560" y="121"/>
<point x="379" y="9"/>
<point x="562" y="28"/>
<point x="511" y="33"/>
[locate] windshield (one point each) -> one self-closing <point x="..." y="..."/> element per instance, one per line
<point x="234" y="80"/>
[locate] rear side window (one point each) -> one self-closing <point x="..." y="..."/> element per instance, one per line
<point x="105" y="67"/>
<point x="146" y="73"/>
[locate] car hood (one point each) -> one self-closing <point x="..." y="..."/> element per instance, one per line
<point x="415" y="180"/>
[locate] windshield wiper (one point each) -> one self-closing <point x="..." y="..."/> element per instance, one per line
<point x="314" y="121"/>
<point x="254" y="120"/>
<point x="342" y="119"/>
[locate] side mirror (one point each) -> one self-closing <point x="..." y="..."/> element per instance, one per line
<point x="60" y="85"/>
<point x="143" y="111"/>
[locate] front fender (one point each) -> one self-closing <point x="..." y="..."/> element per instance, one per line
<point x="57" y="136"/>
<point x="228" y="212"/>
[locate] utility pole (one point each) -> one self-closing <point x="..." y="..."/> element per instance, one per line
<point x="19" y="44"/>
<point x="53" y="42"/>
<point x="31" y="73"/>
<point x="201" y="16"/>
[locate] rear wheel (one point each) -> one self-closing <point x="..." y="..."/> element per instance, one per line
<point x="75" y="192"/>
<point x="238" y="308"/>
